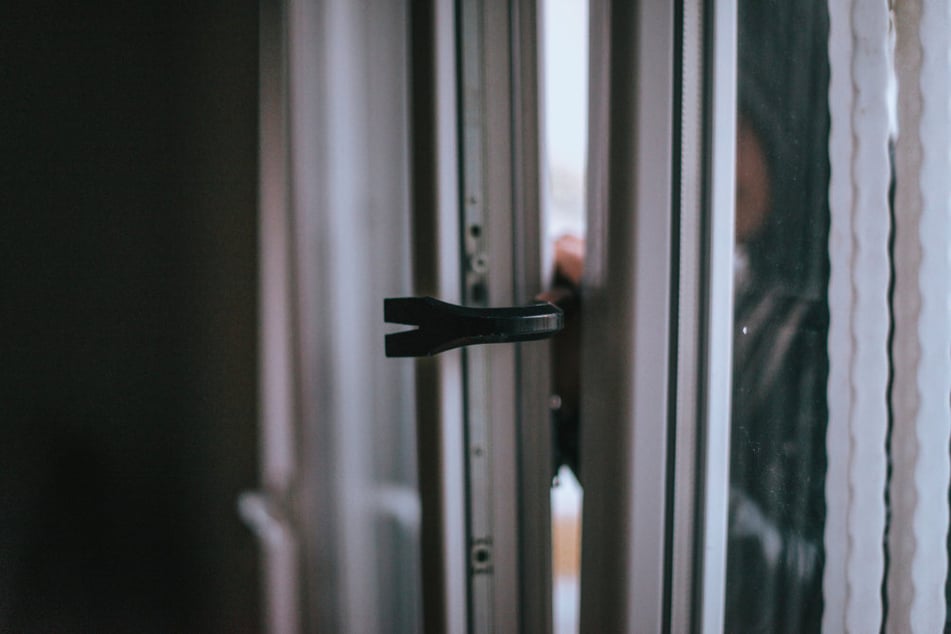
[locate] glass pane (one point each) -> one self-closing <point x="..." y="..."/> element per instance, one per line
<point x="565" y="78"/>
<point x="778" y="455"/>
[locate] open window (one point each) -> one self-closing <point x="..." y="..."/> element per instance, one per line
<point x="765" y="354"/>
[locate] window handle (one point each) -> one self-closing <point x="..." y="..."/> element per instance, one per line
<point x="443" y="326"/>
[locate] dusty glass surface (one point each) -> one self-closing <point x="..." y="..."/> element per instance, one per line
<point x="780" y="364"/>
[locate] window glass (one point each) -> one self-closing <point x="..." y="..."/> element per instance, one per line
<point x="780" y="363"/>
<point x="565" y="78"/>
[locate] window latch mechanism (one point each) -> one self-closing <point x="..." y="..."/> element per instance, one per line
<point x="443" y="326"/>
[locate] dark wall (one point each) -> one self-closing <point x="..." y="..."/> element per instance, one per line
<point x="127" y="315"/>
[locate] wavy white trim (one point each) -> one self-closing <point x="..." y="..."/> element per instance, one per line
<point x="840" y="315"/>
<point x="870" y="317"/>
<point x="922" y="413"/>
<point x="859" y="312"/>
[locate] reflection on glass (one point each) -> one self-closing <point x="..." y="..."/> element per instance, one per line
<point x="778" y="460"/>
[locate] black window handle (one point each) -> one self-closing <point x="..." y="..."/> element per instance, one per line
<point x="443" y="326"/>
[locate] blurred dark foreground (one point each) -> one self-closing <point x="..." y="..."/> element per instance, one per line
<point x="128" y="134"/>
